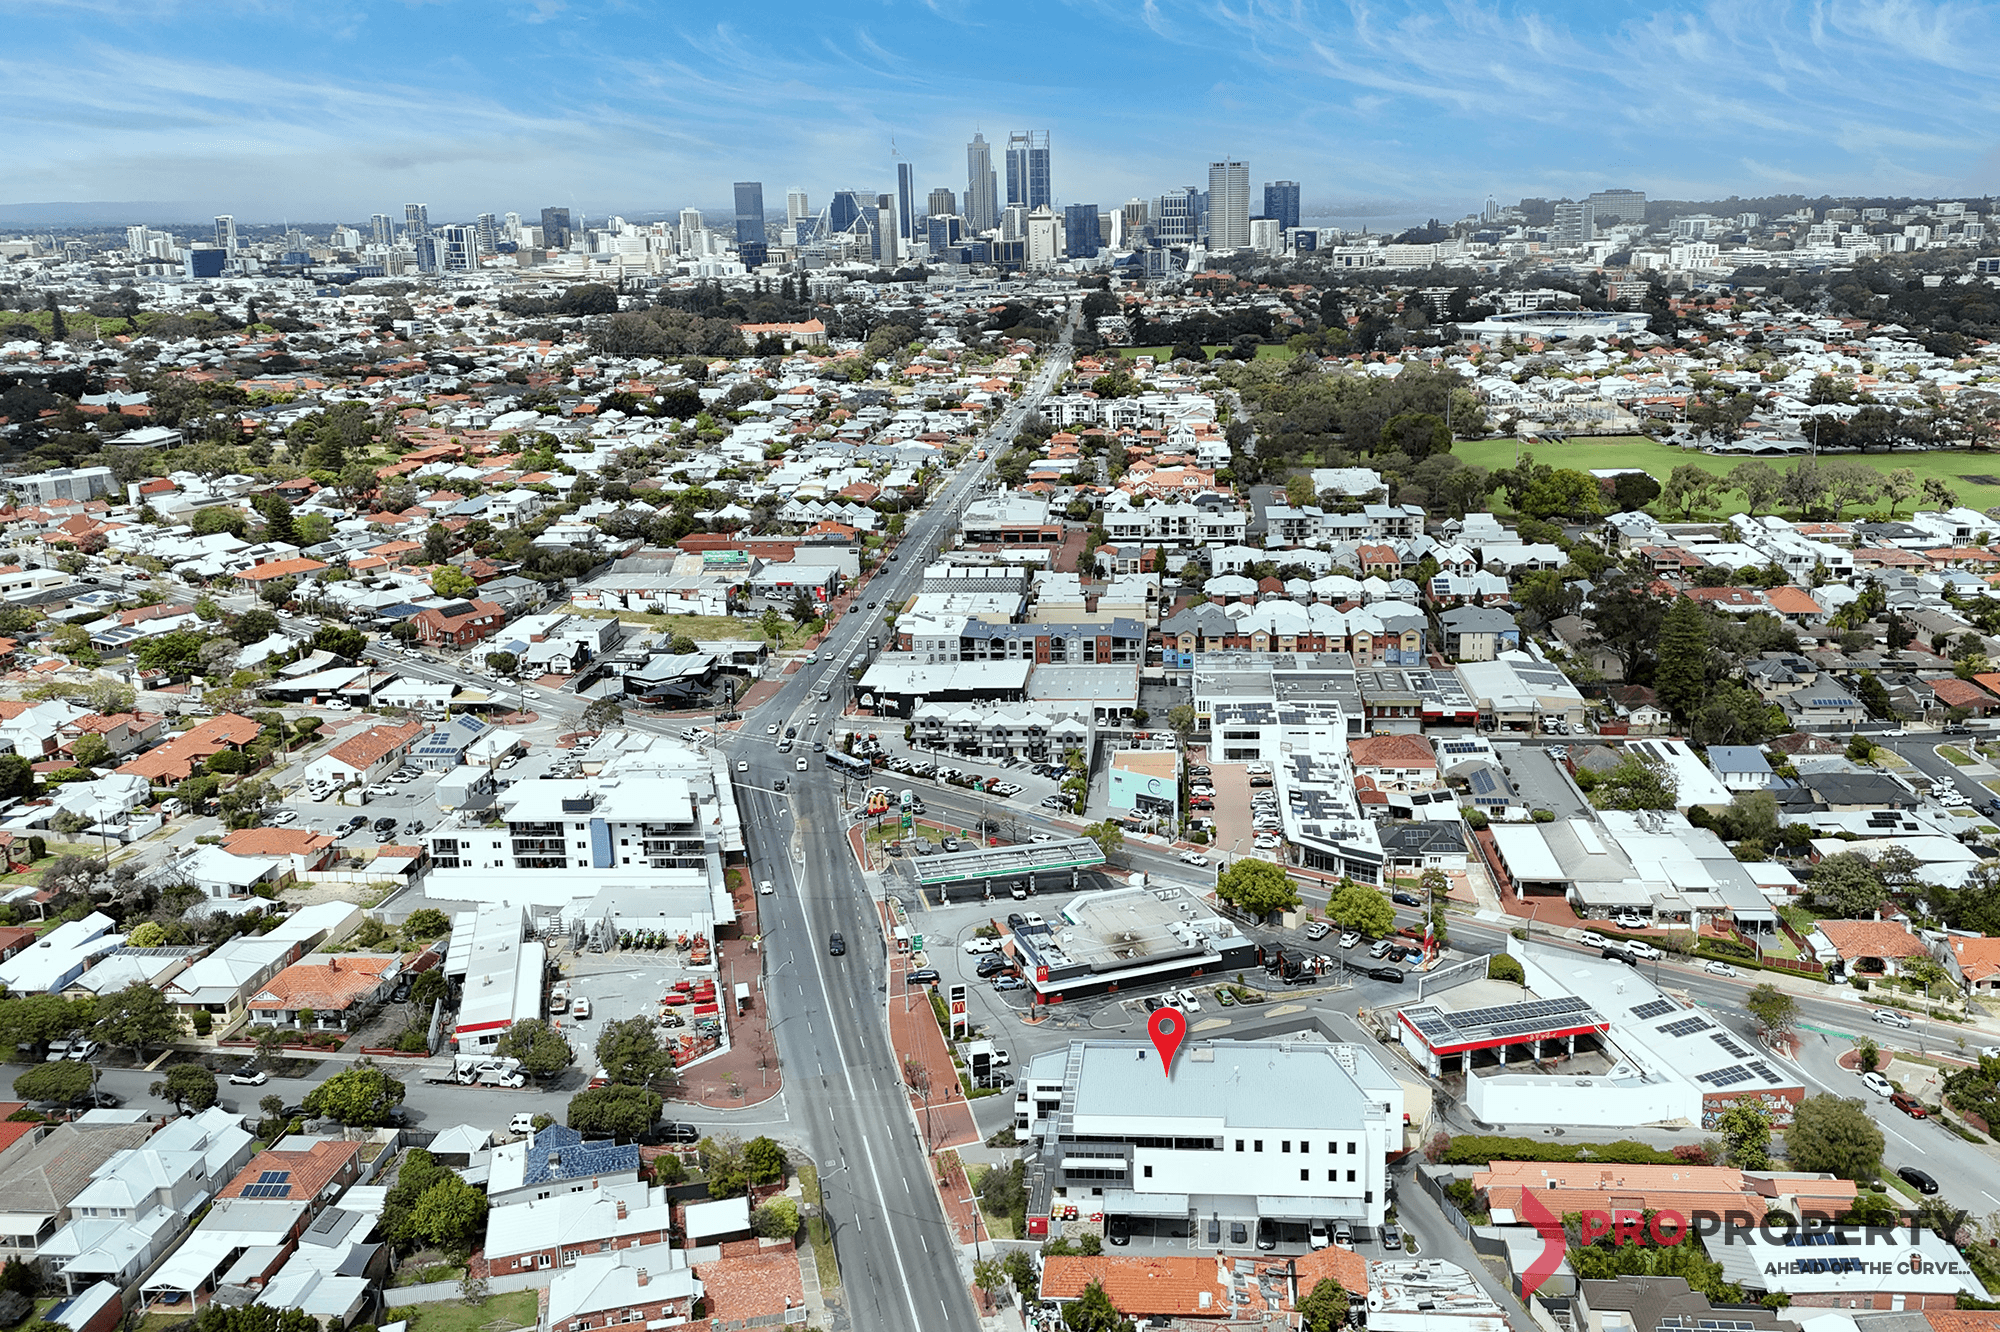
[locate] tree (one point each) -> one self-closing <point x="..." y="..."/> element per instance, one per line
<point x="1690" y="487"/>
<point x="502" y="663"/>
<point x="1257" y="887"/>
<point x="450" y="1214"/>
<point x="776" y="1219"/>
<point x="138" y="1016"/>
<point x="541" y="1051"/>
<point x="1775" y="1010"/>
<point x="17" y="776"/>
<point x="1299" y="490"/>
<point x="253" y="626"/>
<point x="91" y="750"/>
<point x="1093" y="1311"/>
<point x="1939" y="494"/>
<point x="188" y="1086"/>
<point x="1803" y="485"/>
<point x="1849" y="482"/>
<point x="764" y="1161"/>
<point x="1563" y="493"/>
<point x="1421" y="435"/>
<point x="1181" y="720"/>
<point x="427" y="988"/>
<point x="603" y="714"/>
<point x="1356" y="906"/>
<point x="1847" y="885"/>
<point x="70" y="874"/>
<point x="448" y="580"/>
<point x="1632" y="491"/>
<point x="990" y="1276"/>
<point x="363" y="1095"/>
<point x="1638" y="782"/>
<point x="1108" y="836"/>
<point x="1746" y="1131"/>
<point x="1900" y="484"/>
<point x="1325" y="1307"/>
<point x="427" y="923"/>
<point x="348" y="643"/>
<point x="630" y="1054"/>
<point x="66" y="1081"/>
<point x="1681" y="679"/>
<point x="1868" y="1055"/>
<point x="437" y="544"/>
<point x="1834" y="1135"/>
<point x="623" y="1113"/>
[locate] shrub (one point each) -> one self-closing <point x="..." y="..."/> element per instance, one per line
<point x="204" y="1022"/>
<point x="1502" y="967"/>
<point x="1478" y="1149"/>
<point x="776" y="1219"/>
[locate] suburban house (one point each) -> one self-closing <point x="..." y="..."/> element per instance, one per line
<point x="377" y="751"/>
<point x="558" y="1230"/>
<point x="303" y="1172"/>
<point x="331" y="990"/>
<point x="1978" y="962"/>
<point x="222" y="876"/>
<point x="1401" y="761"/>
<point x="460" y="624"/>
<point x="302" y="850"/>
<point x="1741" y="767"/>
<point x="652" y="1286"/>
<point x="222" y="983"/>
<point x="42" y="1170"/>
<point x="557" y="1160"/>
<point x="1478" y="633"/>
<point x="1877" y="947"/>
<point x="178" y="758"/>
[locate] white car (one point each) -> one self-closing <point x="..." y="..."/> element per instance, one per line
<point x="1001" y="1059"/>
<point x="764" y="889"/>
<point x="742" y="765"/>
<point x="1351" y="938"/>
<point x="1592" y="939"/>
<point x="1033" y="919"/>
<point x="1190" y="858"/>
<point x="1718" y="969"/>
<point x="1878" y="1084"/>
<point x="1266" y="842"/>
<point x="979" y="944"/>
<point x="521" y="1123"/>
<point x="772" y="729"/>
<point x="1189" y="1001"/>
<point x="249" y="1078"/>
<point x="1641" y="950"/>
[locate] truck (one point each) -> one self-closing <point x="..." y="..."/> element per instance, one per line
<point x="484" y="1070"/>
<point x="559" y="999"/>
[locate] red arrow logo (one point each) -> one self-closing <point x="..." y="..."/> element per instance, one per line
<point x="1554" y="1243"/>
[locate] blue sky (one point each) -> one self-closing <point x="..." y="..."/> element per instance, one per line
<point x="333" y="111"/>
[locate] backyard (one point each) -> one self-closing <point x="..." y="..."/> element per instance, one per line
<point x="1975" y="477"/>
<point x="495" y="1313"/>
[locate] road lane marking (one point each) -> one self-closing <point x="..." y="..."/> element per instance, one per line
<point x="894" y="1248"/>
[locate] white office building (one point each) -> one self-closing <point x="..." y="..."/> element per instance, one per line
<point x="1228" y="205"/>
<point x="1289" y="1131"/>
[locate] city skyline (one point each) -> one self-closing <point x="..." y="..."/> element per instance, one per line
<point x="268" y="116"/>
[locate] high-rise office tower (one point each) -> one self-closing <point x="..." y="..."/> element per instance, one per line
<point x="1607" y="206"/>
<point x="1014" y="222"/>
<point x="1228" y="205"/>
<point x="488" y="228"/>
<point x="1044" y="236"/>
<point x="694" y="235"/>
<point x="510" y="226"/>
<point x="1028" y="169"/>
<point x="225" y="232"/>
<point x="417" y="220"/>
<point x="136" y="241"/>
<point x="943" y="203"/>
<point x="1135" y="214"/>
<point x="1281" y="202"/>
<point x="555" y="228"/>
<point x="797" y="210"/>
<point x="982" y="204"/>
<point x="942" y="229"/>
<point x="458" y="249"/>
<point x="381" y="230"/>
<point x="1491" y="212"/>
<point x="1080" y="231"/>
<point x="845" y="210"/>
<point x="749" y="212"/>
<point x="906" y="200"/>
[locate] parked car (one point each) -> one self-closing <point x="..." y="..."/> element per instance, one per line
<point x="1190" y="1002"/>
<point x="1916" y="1179"/>
<point x="922" y="976"/>
<point x="1267" y="1233"/>
<point x="1392" y="1238"/>
<point x="249" y="1077"/>
<point x="1117" y="1230"/>
<point x="1318" y="929"/>
<point x="1591" y="939"/>
<point x="1318" y="1236"/>
<point x="1644" y="951"/>
<point x="1350" y="938"/>
<point x="1909" y="1105"/>
<point x="1878" y="1084"/>
<point x="1009" y="983"/>
<point x="580" y="1010"/>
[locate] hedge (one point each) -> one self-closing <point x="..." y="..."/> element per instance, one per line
<point x="1480" y="1149"/>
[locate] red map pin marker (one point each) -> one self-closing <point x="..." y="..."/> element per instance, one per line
<point x="1168" y="1028"/>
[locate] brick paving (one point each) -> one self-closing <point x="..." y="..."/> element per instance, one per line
<point x="752" y="1056"/>
<point x="947" y="1120"/>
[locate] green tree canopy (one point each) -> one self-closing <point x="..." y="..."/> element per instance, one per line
<point x="1356" y="906"/>
<point x="137" y="1016"/>
<point x="623" y="1113"/>
<point x="1256" y="887"/>
<point x="1847" y="885"/>
<point x="630" y="1053"/>
<point x="541" y="1051"/>
<point x="188" y="1086"/>
<point x="1324" y="1308"/>
<point x="64" y="1081"/>
<point x="1681" y="680"/>
<point x="1775" y="1009"/>
<point x="1746" y="1131"/>
<point x="1833" y="1134"/>
<point x="363" y="1095"/>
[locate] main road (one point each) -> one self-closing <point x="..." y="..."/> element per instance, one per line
<point x="899" y="1261"/>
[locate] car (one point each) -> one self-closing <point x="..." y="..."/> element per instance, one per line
<point x="249" y="1077"/>
<point x="995" y="1081"/>
<point x="764" y="888"/>
<point x="1889" y="1017"/>
<point x="742" y="765"/>
<point x="1190" y="1002"/>
<point x="1643" y="951"/>
<point x="1628" y="921"/>
<point x="791" y="733"/>
<point x="1318" y="1236"/>
<point x="1201" y="790"/>
<point x="1265" y="841"/>
<point x="83" y="1051"/>
<point x="871" y="605"/>
<point x="1153" y="1005"/>
<point x="1318" y="929"/>
<point x="1001" y="1059"/>
<point x="1909" y="1105"/>
<point x="1718" y="968"/>
<point x="772" y="729"/>
<point x="1878" y="1084"/>
<point x="1620" y="955"/>
<point x="836" y="945"/>
<point x="1989" y="1052"/>
<point x="1392" y="1238"/>
<point x="1916" y="1179"/>
<point x="1349" y="938"/>
<point x="1009" y="983"/>
<point x="819" y="747"/>
<point x="1016" y="921"/>
<point x="800" y="763"/>
<point x="1193" y="858"/>
<point x="1117" y="1230"/>
<point x="922" y="976"/>
<point x="1267" y="1233"/>
<point x="982" y="944"/>
<point x="1238" y="1233"/>
<point x="532" y="693"/>
<point x="1394" y="975"/>
<point x="1590" y="939"/>
<point x="402" y="991"/>
<point x="1401" y="898"/>
<point x="675" y="1132"/>
<point x="385" y="823"/>
<point x="1380" y="947"/>
<point x="521" y="1123"/>
<point x="994" y="964"/>
<point x="580" y="1009"/>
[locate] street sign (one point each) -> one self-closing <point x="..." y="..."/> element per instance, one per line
<point x="916" y="943"/>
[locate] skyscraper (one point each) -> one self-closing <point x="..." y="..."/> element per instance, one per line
<point x="943" y="203"/>
<point x="1135" y="214"/>
<point x="1080" y="231"/>
<point x="381" y="231"/>
<point x="845" y="210"/>
<point x="225" y="232"/>
<point x="1573" y="226"/>
<point x="1281" y="202"/>
<point x="1228" y="205"/>
<point x="797" y="209"/>
<point x="982" y="204"/>
<point x="1028" y="169"/>
<point x="416" y="220"/>
<point x="906" y="200"/>
<point x="489" y="234"/>
<point x="1174" y="217"/>
<point x="458" y="249"/>
<point x="555" y="228"/>
<point x="749" y="212"/>
<point x="1619" y="205"/>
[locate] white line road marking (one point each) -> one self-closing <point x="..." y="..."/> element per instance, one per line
<point x="894" y="1247"/>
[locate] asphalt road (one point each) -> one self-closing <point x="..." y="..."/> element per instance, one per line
<point x="900" y="1265"/>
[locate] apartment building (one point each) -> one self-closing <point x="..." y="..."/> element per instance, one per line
<point x="581" y="824"/>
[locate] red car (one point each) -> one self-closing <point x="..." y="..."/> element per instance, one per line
<point x="1909" y="1105"/>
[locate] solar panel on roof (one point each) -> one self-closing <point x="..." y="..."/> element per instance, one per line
<point x="1765" y="1071"/>
<point x="1685" y="1027"/>
<point x="1726" y="1077"/>
<point x="1653" y="1008"/>
<point x="1727" y="1042"/>
<point x="274" y="1177"/>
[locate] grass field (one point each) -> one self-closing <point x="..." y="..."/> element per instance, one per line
<point x="1976" y="477"/>
<point x="1270" y="352"/>
<point x="702" y="628"/>
<point x="517" y="1308"/>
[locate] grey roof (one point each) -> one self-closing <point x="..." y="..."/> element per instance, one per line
<point x="1244" y="1084"/>
<point x="1737" y="758"/>
<point x="1425" y="836"/>
<point x="1477" y="619"/>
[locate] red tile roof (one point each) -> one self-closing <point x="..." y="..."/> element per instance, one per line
<point x="175" y="760"/>
<point x="309" y="1171"/>
<point x="1871" y="938"/>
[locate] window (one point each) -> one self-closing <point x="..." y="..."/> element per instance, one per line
<point x="1350" y="1148"/>
<point x="1286" y="1146"/>
<point x="1333" y="1149"/>
<point x="1304" y="1175"/>
<point x="1239" y="1144"/>
<point x="1304" y="1147"/>
<point x="1333" y="1176"/>
<point x="1149" y="1172"/>
<point x="1257" y="1144"/>
<point x="1350" y="1177"/>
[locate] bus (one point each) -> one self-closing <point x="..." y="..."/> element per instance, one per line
<point x="847" y="764"/>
